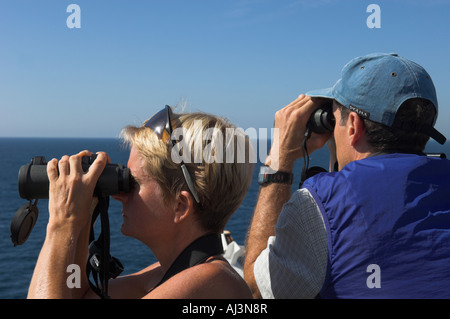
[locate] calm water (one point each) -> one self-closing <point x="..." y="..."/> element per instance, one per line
<point x="17" y="263"/>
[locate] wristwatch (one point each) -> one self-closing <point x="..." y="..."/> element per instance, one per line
<point x="268" y="176"/>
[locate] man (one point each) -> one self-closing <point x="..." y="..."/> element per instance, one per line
<point x="380" y="226"/>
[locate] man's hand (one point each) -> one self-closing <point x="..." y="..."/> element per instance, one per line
<point x="289" y="133"/>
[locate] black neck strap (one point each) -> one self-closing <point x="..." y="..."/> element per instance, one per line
<point x="194" y="254"/>
<point x="100" y="263"/>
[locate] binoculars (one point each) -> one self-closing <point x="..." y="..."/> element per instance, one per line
<point x="33" y="184"/>
<point x="322" y="120"/>
<point x="33" y="180"/>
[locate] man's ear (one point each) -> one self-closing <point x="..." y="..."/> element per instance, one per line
<point x="184" y="206"/>
<point x="355" y="129"/>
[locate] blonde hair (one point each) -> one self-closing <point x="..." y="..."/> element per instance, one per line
<point x="216" y="154"/>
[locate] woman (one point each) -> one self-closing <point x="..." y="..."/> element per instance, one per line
<point x="189" y="177"/>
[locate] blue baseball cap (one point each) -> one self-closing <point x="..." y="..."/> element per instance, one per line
<point x="374" y="86"/>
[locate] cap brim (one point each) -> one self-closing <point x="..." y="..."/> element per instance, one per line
<point x="325" y="93"/>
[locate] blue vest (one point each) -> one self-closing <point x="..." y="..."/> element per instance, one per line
<point x="388" y="224"/>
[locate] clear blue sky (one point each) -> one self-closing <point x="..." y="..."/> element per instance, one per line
<point x="242" y="59"/>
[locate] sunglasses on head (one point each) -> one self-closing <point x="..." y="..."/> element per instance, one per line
<point x="160" y="124"/>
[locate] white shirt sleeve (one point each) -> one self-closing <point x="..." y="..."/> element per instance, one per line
<point x="294" y="264"/>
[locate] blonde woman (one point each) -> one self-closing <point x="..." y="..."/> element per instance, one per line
<point x="189" y="177"/>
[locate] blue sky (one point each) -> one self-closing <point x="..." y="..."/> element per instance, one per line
<point x="242" y="59"/>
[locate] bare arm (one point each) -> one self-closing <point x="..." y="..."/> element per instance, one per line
<point x="290" y="124"/>
<point x="70" y="207"/>
<point x="262" y="227"/>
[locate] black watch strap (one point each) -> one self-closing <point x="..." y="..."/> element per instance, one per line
<point x="268" y="176"/>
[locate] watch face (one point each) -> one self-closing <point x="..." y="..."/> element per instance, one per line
<point x="268" y="176"/>
<point x="262" y="176"/>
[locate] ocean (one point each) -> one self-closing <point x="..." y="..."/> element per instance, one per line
<point x="17" y="263"/>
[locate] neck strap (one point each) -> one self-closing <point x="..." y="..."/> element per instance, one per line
<point x="194" y="254"/>
<point x="100" y="263"/>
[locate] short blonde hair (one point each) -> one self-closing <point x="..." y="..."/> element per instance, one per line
<point x="213" y="154"/>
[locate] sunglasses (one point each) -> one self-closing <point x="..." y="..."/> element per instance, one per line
<point x="161" y="125"/>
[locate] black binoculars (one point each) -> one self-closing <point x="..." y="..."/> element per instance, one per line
<point x="34" y="184"/>
<point x="33" y="180"/>
<point x="322" y="119"/>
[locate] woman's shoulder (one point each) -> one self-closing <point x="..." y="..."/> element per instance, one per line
<point x="213" y="279"/>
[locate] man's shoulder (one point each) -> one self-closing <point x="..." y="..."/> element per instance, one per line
<point x="302" y="197"/>
<point x="301" y="209"/>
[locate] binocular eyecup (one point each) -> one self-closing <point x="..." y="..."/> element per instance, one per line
<point x="322" y="120"/>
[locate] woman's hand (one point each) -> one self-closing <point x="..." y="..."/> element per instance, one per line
<point x="71" y="191"/>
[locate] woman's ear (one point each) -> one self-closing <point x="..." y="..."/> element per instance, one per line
<point x="184" y="206"/>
